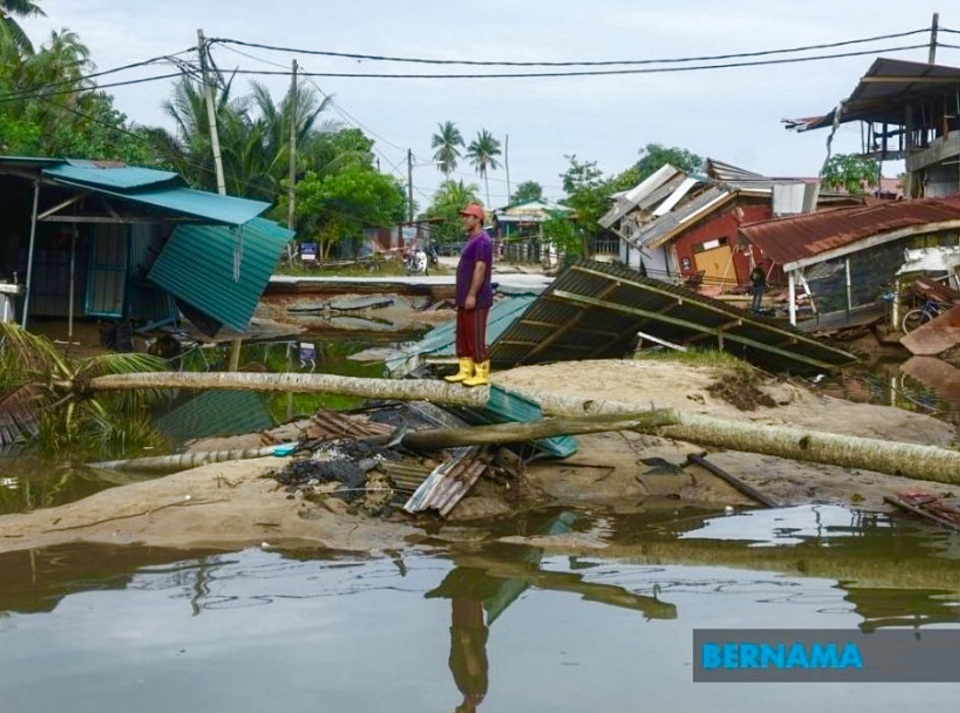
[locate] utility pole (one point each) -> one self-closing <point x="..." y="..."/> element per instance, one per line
<point x="217" y="160"/>
<point x="506" y="165"/>
<point x="211" y="114"/>
<point x="291" y="198"/>
<point x="934" y="28"/>
<point x="410" y="185"/>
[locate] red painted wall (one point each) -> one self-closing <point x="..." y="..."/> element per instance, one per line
<point x="724" y="225"/>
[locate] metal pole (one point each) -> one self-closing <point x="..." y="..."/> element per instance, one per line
<point x="410" y="185"/>
<point x="211" y="115"/>
<point x="849" y="285"/>
<point x="506" y="165"/>
<point x="33" y="243"/>
<point x="73" y="275"/>
<point x="294" y="125"/>
<point x="217" y="161"/>
<point x="792" y="290"/>
<point x="934" y="28"/>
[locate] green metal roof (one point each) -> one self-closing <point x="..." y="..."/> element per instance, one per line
<point x="442" y="339"/>
<point x="163" y="190"/>
<point x="198" y="264"/>
<point x="505" y="406"/>
<point x="188" y="202"/>
<point x="216" y="413"/>
<point x="110" y="175"/>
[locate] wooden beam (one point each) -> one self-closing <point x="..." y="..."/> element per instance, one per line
<point x="553" y="325"/>
<point x="637" y="312"/>
<point x="565" y="328"/>
<point x="60" y="206"/>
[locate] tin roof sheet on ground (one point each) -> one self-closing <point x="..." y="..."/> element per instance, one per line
<point x="797" y="240"/>
<point x="595" y="310"/>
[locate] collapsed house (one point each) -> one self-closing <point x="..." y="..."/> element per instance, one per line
<point x="844" y="260"/>
<point x="908" y="111"/>
<point x="104" y="241"/>
<point x="682" y="227"/>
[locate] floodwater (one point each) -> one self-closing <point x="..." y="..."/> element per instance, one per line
<point x="28" y="482"/>
<point x="499" y="628"/>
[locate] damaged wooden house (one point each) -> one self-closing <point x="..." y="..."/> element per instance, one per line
<point x="840" y="263"/>
<point x="682" y="228"/>
<point x="129" y="247"/>
<point x="908" y="111"/>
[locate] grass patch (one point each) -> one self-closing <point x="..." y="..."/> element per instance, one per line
<point x="737" y="381"/>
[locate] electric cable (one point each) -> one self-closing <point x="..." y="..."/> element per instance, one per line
<point x="592" y="73"/>
<point x="596" y="63"/>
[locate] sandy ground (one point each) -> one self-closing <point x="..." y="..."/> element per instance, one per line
<point x="232" y="506"/>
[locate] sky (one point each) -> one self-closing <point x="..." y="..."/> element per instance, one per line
<point x="732" y="115"/>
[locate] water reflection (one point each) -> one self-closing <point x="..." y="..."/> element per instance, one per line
<point x="480" y="628"/>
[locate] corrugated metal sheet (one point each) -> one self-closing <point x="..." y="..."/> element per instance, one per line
<point x="885" y="101"/>
<point x="441" y="340"/>
<point x="211" y="207"/>
<point x="504" y="406"/>
<point x="659" y="231"/>
<point x="632" y="198"/>
<point x="447" y="485"/>
<point x="216" y="413"/>
<point x="110" y="175"/>
<point x="330" y="425"/>
<point x="220" y="271"/>
<point x="594" y="311"/>
<point x="798" y="238"/>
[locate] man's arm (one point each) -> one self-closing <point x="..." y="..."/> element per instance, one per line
<point x="476" y="282"/>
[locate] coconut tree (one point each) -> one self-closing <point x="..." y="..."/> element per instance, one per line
<point x="254" y="134"/>
<point x="10" y="9"/>
<point x="447" y="141"/>
<point x="34" y="402"/>
<point x="482" y="153"/>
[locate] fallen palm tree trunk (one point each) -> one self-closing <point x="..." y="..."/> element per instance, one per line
<point x="184" y="461"/>
<point x="439" y="438"/>
<point x="386" y="389"/>
<point x="910" y="460"/>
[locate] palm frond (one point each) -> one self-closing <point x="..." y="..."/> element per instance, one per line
<point x="24" y="355"/>
<point x="20" y="414"/>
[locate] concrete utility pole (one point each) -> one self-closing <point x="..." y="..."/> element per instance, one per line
<point x="211" y="114"/>
<point x="934" y="28"/>
<point x="506" y="165"/>
<point x="410" y="185"/>
<point x="291" y="198"/>
<point x="217" y="160"/>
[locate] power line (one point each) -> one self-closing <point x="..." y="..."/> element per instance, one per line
<point x="593" y="73"/>
<point x="598" y="63"/>
<point x="41" y="94"/>
<point x="104" y="73"/>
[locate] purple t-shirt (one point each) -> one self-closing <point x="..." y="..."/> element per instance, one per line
<point x="478" y="249"/>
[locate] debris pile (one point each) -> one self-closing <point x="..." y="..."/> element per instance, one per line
<point x="346" y="470"/>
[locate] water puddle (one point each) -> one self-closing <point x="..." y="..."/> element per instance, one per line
<point x="491" y="627"/>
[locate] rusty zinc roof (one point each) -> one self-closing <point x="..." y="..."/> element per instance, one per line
<point x="810" y="238"/>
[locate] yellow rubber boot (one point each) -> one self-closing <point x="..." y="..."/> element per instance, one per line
<point x="482" y="375"/>
<point x="466" y="371"/>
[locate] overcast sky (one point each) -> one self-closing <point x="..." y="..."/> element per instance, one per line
<point x="729" y="114"/>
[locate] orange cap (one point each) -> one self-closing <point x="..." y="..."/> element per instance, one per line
<point x="474" y="209"/>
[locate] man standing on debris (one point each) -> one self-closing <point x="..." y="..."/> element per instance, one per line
<point x="758" y="281"/>
<point x="474" y="299"/>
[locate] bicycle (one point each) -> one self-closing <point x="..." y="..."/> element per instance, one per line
<point x="931" y="310"/>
